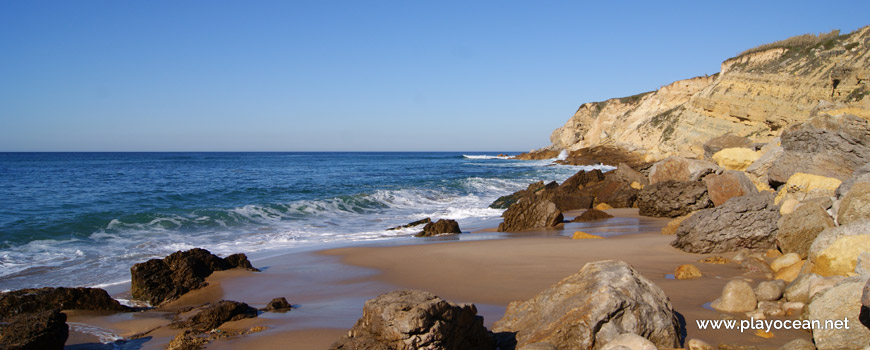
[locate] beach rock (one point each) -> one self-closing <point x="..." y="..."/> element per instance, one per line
<point x="742" y="222"/>
<point x="410" y="320"/>
<point x="505" y="202"/>
<point x="626" y="174"/>
<point x="39" y="330"/>
<point x="278" y="305"/>
<point x="789" y="273"/>
<point x="673" y="225"/>
<point x="838" y="303"/>
<point x="736" y="158"/>
<point x="855" y="205"/>
<point x="188" y="340"/>
<point x="820" y="285"/>
<point x="603" y="206"/>
<point x="416" y="223"/>
<point x="617" y="194"/>
<point x="799" y="289"/>
<point x="594" y="306"/>
<point x="673" y="198"/>
<point x="862" y="267"/>
<point x="756" y="264"/>
<point x="801" y="187"/>
<point x="770" y="290"/>
<point x="861" y="174"/>
<point x="678" y="169"/>
<point x="584" y="235"/>
<point x="698" y="344"/>
<point x="440" y="227"/>
<point x="629" y="341"/>
<point x="717" y="144"/>
<point x="784" y="261"/>
<point x="835" y="251"/>
<point x="579" y="180"/>
<point x="160" y="280"/>
<point x="797" y="231"/>
<point x="831" y="146"/>
<point x="770" y="308"/>
<point x="592" y="215"/>
<point x="758" y="169"/>
<point x="214" y="315"/>
<point x="737" y="296"/>
<point x="62" y="298"/>
<point x="798" y="344"/>
<point x="716" y="260"/>
<point x="529" y="213"/>
<point x="687" y="271"/>
<point x="729" y="184"/>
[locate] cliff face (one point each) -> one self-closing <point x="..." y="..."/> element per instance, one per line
<point x="755" y="95"/>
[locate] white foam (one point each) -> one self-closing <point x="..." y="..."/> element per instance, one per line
<point x="483" y="156"/>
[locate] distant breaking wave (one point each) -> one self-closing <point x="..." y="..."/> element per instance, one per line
<point x="482" y="156"/>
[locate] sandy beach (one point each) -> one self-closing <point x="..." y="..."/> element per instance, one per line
<point x="328" y="288"/>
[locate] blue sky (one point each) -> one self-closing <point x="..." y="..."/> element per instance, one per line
<point x="354" y="75"/>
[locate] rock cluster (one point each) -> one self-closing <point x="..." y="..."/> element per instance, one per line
<point x="214" y="315"/>
<point x="45" y="299"/>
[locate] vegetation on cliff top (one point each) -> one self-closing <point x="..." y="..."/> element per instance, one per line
<point x="799" y="41"/>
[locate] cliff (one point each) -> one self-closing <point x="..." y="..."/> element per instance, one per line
<point x="755" y="95"/>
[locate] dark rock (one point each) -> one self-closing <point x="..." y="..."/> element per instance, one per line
<point x="594" y="306"/>
<point x="592" y="215"/>
<point x="729" y="184"/>
<point x="566" y="202"/>
<point x="440" y="227"/>
<point x="797" y="231"/>
<point x="717" y="144"/>
<point x="160" y="280"/>
<point x="505" y="202"/>
<point x="214" y="315"/>
<point x="530" y="212"/>
<point x="44" y="299"/>
<point x="410" y="320"/>
<point x="673" y="198"/>
<point x="831" y="146"/>
<point x="626" y="174"/>
<point x="742" y="222"/>
<point x="540" y="154"/>
<point x="425" y="221"/>
<point x="188" y="340"/>
<point x="579" y="180"/>
<point x="617" y="194"/>
<point x="855" y="205"/>
<point x="40" y="330"/>
<point x="279" y="305"/>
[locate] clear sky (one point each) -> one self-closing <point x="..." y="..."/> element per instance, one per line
<point x="355" y="75"/>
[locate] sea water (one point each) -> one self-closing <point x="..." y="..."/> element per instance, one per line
<point x="82" y="219"/>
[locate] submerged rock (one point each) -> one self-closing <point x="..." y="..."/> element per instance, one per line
<point x="160" y="280"/>
<point x="40" y="330"/>
<point x="742" y="222"/>
<point x="48" y="298"/>
<point x="594" y="306"/>
<point x="410" y="320"/>
<point x="440" y="227"/>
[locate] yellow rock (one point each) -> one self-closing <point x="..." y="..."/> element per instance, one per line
<point x="636" y="185"/>
<point x="789" y="273"/>
<point x="841" y="256"/>
<point x="785" y="261"/>
<point x="718" y="260"/>
<point x="788" y="206"/>
<point x="687" y="271"/>
<point x="801" y="183"/>
<point x="673" y="225"/>
<point x="737" y="158"/>
<point x="584" y="235"/>
<point x="762" y="333"/>
<point x="603" y="206"/>
<point x="772" y="253"/>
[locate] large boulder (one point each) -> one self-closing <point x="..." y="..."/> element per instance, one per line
<point x="801" y="187"/>
<point x="592" y="215"/>
<point x="626" y="174"/>
<point x="160" y="280"/>
<point x="45" y="299"/>
<point x="673" y="198"/>
<point x="855" y="204"/>
<point x="797" y="231"/>
<point x="717" y="144"/>
<point x="737" y="296"/>
<point x="579" y="180"/>
<point x="41" y="330"/>
<point x="861" y="174"/>
<point x="843" y="301"/>
<point x="742" y="222"/>
<point x="214" y="315"/>
<point x="678" y="169"/>
<point x="593" y="307"/>
<point x="410" y="320"/>
<point x="759" y="168"/>
<point x="738" y="158"/>
<point x="617" y="194"/>
<point x="728" y="184"/>
<point x="830" y="146"/>
<point x="440" y="227"/>
<point x="506" y="201"/>
<point x="530" y="212"/>
<point x="835" y="251"/>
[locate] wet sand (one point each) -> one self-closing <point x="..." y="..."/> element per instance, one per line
<point x="330" y="287"/>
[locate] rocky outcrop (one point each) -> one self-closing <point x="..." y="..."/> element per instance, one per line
<point x="728" y="184"/>
<point x="440" y="227"/>
<point x="594" y="306"/>
<point x="41" y="330"/>
<point x="742" y="222"/>
<point x="529" y="213"/>
<point x="45" y="299"/>
<point x="214" y="315"/>
<point x="835" y="251"/>
<point x="756" y="95"/>
<point x="409" y="320"/>
<point x="592" y="215"/>
<point x="838" y="303"/>
<point x="506" y="201"/>
<point x="673" y="198"/>
<point x="855" y="205"/>
<point x="797" y="231"/>
<point x="160" y="280"/>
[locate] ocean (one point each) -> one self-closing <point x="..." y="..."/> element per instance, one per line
<point x="83" y="219"/>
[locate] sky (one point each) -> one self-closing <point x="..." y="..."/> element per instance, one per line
<point x="355" y="75"/>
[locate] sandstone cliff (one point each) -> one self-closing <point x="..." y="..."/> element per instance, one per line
<point x="756" y="95"/>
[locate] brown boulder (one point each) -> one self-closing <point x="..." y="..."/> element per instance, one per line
<point x="440" y="227"/>
<point x="410" y="320"/>
<point x="742" y="222"/>
<point x="505" y="202"/>
<point x="214" y="315"/>
<point x="592" y="307"/>
<point x="797" y="231"/>
<point x="48" y="298"/>
<point x="673" y="198"/>
<point x="530" y="212"/>
<point x="855" y="205"/>
<point x="678" y="169"/>
<point x="729" y="184"/>
<point x="580" y="180"/>
<point x="160" y="280"/>
<point x="278" y="305"/>
<point x="617" y="194"/>
<point x="592" y="215"/>
<point x="626" y="174"/>
<point x="41" y="330"/>
<point x="419" y="222"/>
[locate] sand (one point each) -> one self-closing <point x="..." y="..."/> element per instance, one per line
<point x="330" y="287"/>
